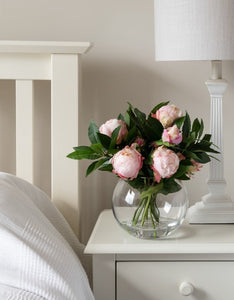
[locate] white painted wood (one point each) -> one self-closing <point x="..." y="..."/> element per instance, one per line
<point x="162" y="280"/>
<point x="186" y="288"/>
<point x="64" y="133"/>
<point x="25" y="66"/>
<point x="192" y="261"/>
<point x="25" y="61"/>
<point x="44" y="47"/>
<point x="109" y="237"/>
<point x="216" y="206"/>
<point x="104" y="276"/>
<point x="24" y="129"/>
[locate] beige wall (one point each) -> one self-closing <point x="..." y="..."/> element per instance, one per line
<point x="119" y="68"/>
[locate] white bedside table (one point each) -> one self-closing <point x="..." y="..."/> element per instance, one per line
<point x="196" y="262"/>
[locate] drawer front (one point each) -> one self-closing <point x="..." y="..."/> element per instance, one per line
<point x="201" y="280"/>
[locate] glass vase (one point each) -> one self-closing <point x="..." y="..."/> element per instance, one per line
<point x="171" y="209"/>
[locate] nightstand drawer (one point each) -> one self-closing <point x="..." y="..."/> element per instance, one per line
<point x="201" y="280"/>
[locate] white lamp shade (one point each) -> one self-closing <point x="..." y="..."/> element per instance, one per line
<point x="194" y="29"/>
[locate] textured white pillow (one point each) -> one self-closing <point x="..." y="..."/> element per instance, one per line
<point x="39" y="252"/>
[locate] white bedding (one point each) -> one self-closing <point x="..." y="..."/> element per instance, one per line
<point x="38" y="250"/>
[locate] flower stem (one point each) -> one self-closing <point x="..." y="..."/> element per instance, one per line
<point x="151" y="216"/>
<point x="145" y="212"/>
<point x="138" y="212"/>
<point x="139" y="205"/>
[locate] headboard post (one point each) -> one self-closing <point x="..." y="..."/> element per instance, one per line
<point x="65" y="93"/>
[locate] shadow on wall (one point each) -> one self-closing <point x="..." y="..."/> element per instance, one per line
<point x="7" y="126"/>
<point x="107" y="86"/>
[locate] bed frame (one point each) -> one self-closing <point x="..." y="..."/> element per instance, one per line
<point x="59" y="62"/>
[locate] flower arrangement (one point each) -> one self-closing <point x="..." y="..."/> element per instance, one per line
<point x="152" y="153"/>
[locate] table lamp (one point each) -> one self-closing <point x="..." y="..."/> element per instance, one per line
<point x="187" y="30"/>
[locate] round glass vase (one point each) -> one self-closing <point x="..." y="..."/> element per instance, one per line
<point x="172" y="210"/>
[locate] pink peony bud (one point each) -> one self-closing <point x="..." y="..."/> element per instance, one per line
<point x="172" y="135"/>
<point x="181" y="156"/>
<point x="108" y="127"/>
<point x="140" y="141"/>
<point x="127" y="163"/>
<point x="194" y="168"/>
<point x="167" y="115"/>
<point x="165" y="163"/>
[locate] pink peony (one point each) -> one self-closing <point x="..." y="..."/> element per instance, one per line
<point x="194" y="168"/>
<point x="165" y="163"/>
<point x="108" y="127"/>
<point x="127" y="163"/>
<point x="167" y="115"/>
<point x="172" y="135"/>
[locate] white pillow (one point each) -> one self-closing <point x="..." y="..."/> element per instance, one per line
<point x="38" y="253"/>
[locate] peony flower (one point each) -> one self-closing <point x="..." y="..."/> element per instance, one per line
<point x="108" y="127"/>
<point x="165" y="163"/>
<point x="167" y="115"/>
<point x="194" y="168"/>
<point x="172" y="135"/>
<point x="127" y="162"/>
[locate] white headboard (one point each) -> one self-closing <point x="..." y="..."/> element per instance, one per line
<point x="59" y="62"/>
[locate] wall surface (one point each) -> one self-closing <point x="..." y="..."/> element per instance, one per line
<point x="119" y="68"/>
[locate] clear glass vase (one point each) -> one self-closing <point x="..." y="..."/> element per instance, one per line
<point x="172" y="210"/>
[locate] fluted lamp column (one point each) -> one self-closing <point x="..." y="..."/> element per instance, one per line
<point x="202" y="30"/>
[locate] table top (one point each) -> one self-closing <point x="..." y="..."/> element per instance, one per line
<point x="109" y="238"/>
<point x="44" y="47"/>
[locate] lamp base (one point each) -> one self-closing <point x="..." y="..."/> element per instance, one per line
<point x="211" y="213"/>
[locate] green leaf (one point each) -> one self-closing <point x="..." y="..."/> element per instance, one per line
<point x="167" y="144"/>
<point x="113" y="151"/>
<point x="137" y="183"/>
<point x="184" y="177"/>
<point x="158" y="106"/>
<point x="181" y="171"/>
<point x="196" y="126"/>
<point x="107" y="168"/>
<point x="97" y="148"/>
<point x="203" y="146"/>
<point x="133" y="118"/>
<point x="179" y="121"/>
<point x="131" y="135"/>
<point x="190" y="154"/>
<point x="104" y="140"/>
<point x="120" y="117"/>
<point x="201" y="129"/>
<point x="186" y="126"/>
<point x="153" y="129"/>
<point x="140" y="120"/>
<point x="210" y="150"/>
<point x="95" y="165"/>
<point x="191" y="138"/>
<point x="83" y="152"/>
<point x="114" y="137"/>
<point x="92" y="132"/>
<point x="202" y="158"/>
<point x="186" y="162"/>
<point x="127" y="119"/>
<point x="211" y="156"/>
<point x="206" y="137"/>
<point x="170" y="186"/>
<point x="140" y="115"/>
